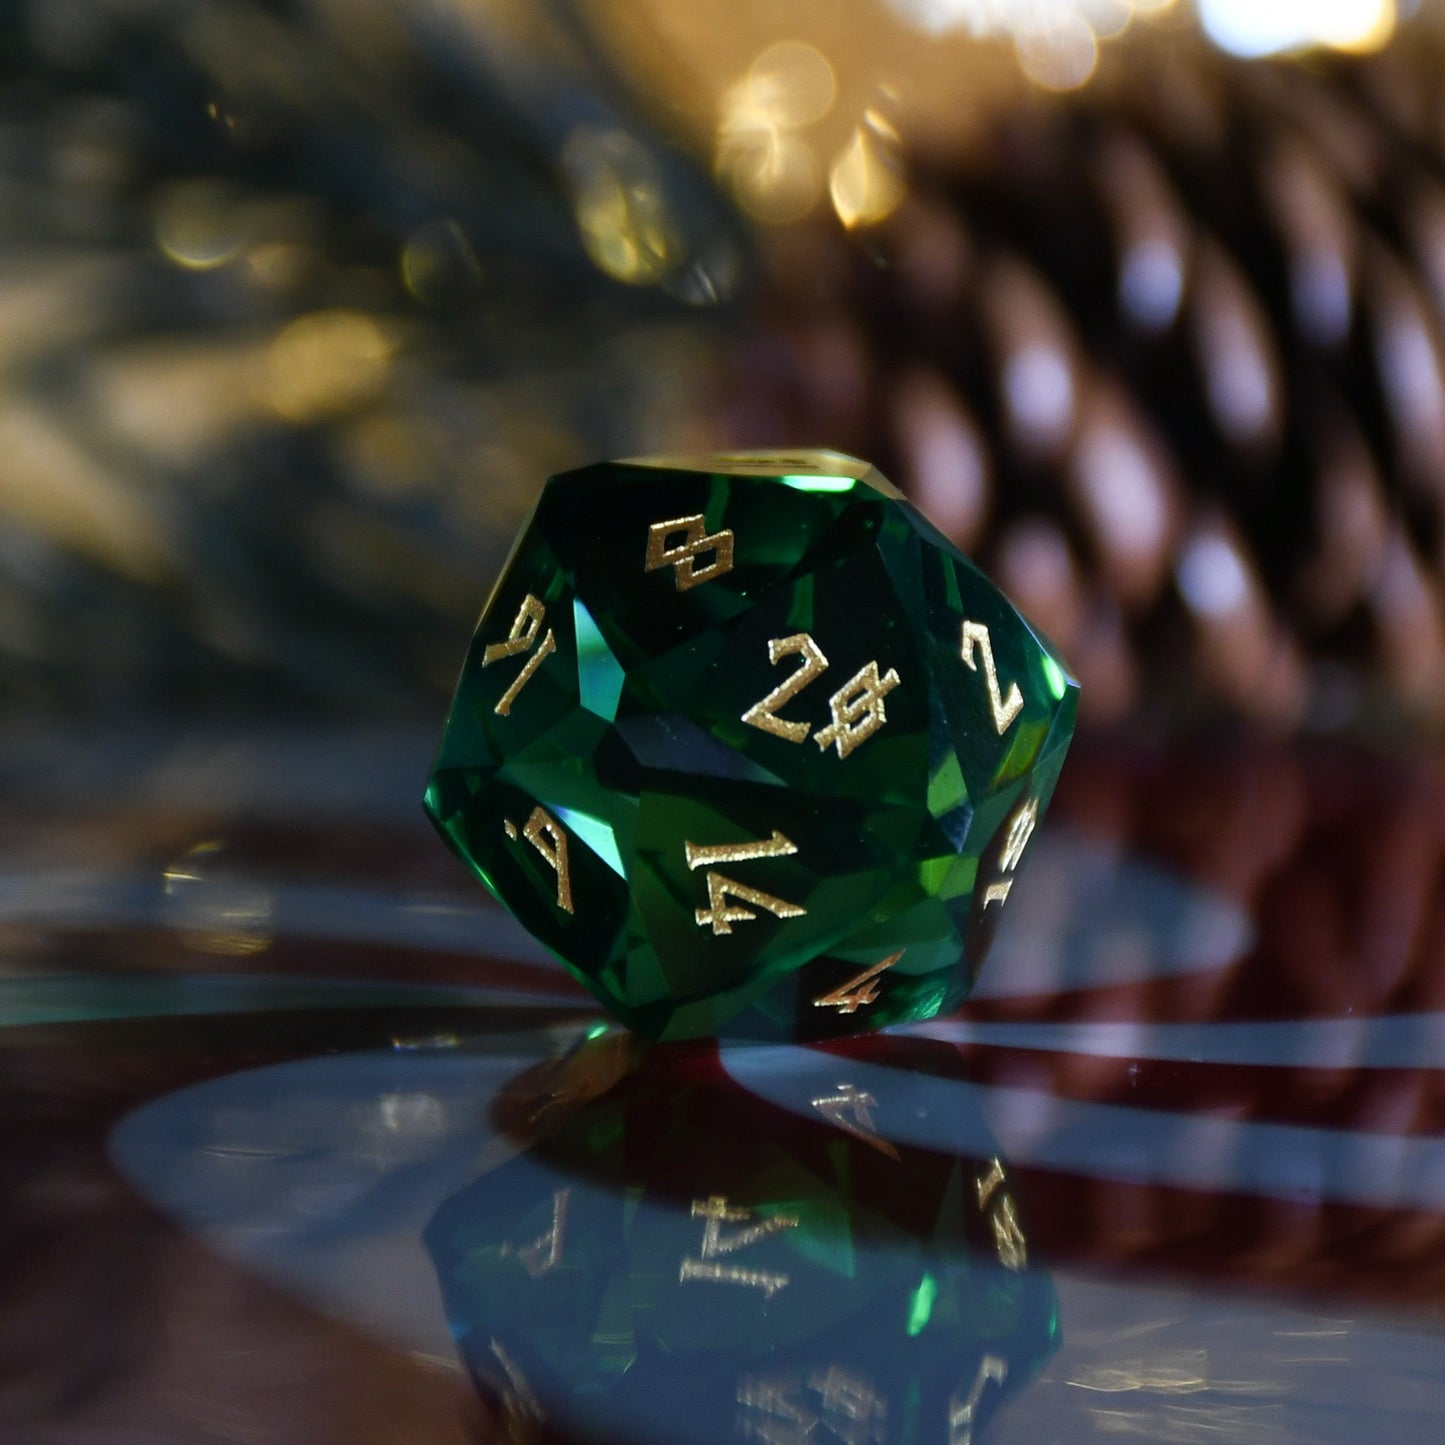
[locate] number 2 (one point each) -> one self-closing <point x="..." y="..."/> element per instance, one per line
<point x="764" y="713"/>
<point x="1005" y="707"/>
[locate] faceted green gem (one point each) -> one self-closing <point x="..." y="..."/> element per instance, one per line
<point x="678" y="1260"/>
<point x="750" y="746"/>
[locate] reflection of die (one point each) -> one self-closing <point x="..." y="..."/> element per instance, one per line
<point x="749" y="745"/>
<point x="675" y="1259"/>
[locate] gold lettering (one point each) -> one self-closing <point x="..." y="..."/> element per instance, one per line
<point x="696" y="1269"/>
<point x="1004" y="707"/>
<point x="518" y="1398"/>
<point x="544" y="1253"/>
<point x="990" y="1181"/>
<point x="775" y="847"/>
<point x="525" y="626"/>
<point x="852" y="1408"/>
<point x="857" y="709"/>
<point x="716" y="1211"/>
<point x="997" y="892"/>
<point x="682" y="556"/>
<point x="720" y="888"/>
<point x="529" y="618"/>
<point x="763" y="714"/>
<point x="850" y="1110"/>
<point x="962" y="1414"/>
<point x="721" y="916"/>
<point x="1021" y="829"/>
<point x="780" y="1410"/>
<point x="1008" y="1235"/>
<point x="862" y="989"/>
<point x="550" y="841"/>
<point x="716" y="1243"/>
<point x="786" y="1419"/>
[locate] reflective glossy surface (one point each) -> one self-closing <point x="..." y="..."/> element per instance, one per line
<point x="304" y="1141"/>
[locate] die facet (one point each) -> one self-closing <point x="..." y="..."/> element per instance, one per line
<point x="750" y="746"/>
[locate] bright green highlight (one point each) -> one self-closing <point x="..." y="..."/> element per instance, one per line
<point x="920" y="1309"/>
<point x="820" y="484"/>
<point x="1054" y="677"/>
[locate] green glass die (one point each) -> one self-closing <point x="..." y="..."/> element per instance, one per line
<point x="750" y="746"/>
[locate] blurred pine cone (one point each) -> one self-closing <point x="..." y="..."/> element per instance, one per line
<point x="300" y="300"/>
<point x="1166" y="356"/>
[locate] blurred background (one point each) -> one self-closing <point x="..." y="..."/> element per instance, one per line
<point x="1142" y="301"/>
<point x="301" y="300"/>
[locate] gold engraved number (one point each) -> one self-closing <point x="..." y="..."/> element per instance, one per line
<point x="1005" y="708"/>
<point x="721" y="888"/>
<point x="852" y="1408"/>
<point x="682" y="555"/>
<point x="764" y="714"/>
<point x="716" y="1243"/>
<point x="856" y="708"/>
<point x="1008" y="1235"/>
<point x="519" y="1401"/>
<point x="1020" y="830"/>
<point x="851" y="1110"/>
<point x="779" y="1415"/>
<point x="782" y="1410"/>
<point x="862" y="989"/>
<point x="963" y="1413"/>
<point x="525" y="626"/>
<point x="544" y="1253"/>
<point x="551" y="842"/>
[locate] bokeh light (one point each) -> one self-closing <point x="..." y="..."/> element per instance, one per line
<point x="1250" y="28"/>
<point x="866" y="182"/>
<point x="761" y="152"/>
<point x="1060" y="53"/>
<point x="621" y="210"/>
<point x="201" y="223"/>
<point x="326" y="362"/>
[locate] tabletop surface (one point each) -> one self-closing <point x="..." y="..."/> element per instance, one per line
<point x="304" y="1140"/>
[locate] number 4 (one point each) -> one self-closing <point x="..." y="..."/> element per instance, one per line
<point x="860" y="990"/>
<point x="1005" y="707"/>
